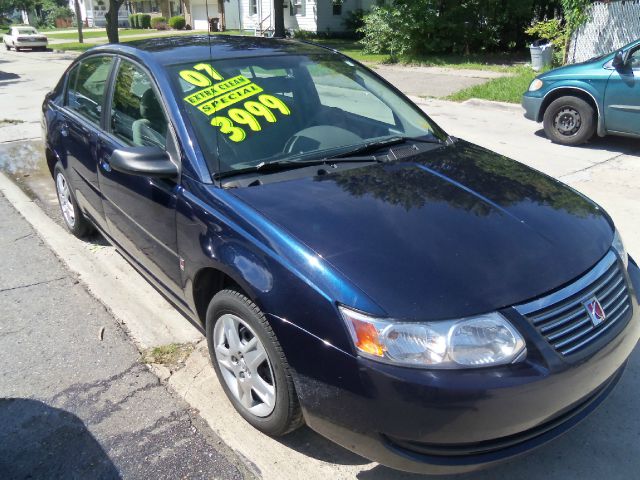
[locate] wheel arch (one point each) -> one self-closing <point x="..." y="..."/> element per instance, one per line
<point x="207" y="282"/>
<point x="573" y="91"/>
<point x="52" y="158"/>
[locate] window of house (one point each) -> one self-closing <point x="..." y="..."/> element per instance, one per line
<point x="253" y="7"/>
<point x="298" y="7"/>
<point x="337" y="7"/>
<point x="86" y="87"/>
<point x="137" y="117"/>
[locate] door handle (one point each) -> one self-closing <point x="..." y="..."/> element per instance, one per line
<point x="64" y="129"/>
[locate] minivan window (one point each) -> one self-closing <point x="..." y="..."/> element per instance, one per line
<point x="137" y="117"/>
<point x="86" y="87"/>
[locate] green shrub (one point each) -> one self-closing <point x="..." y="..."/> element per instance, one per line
<point x="177" y="22"/>
<point x="381" y="32"/>
<point x="304" y="35"/>
<point x="156" y="20"/>
<point x="138" y="20"/>
<point x="145" y="20"/>
<point x="419" y="27"/>
<point x="132" y="22"/>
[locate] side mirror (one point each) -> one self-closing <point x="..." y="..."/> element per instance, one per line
<point x="619" y="59"/>
<point x="143" y="161"/>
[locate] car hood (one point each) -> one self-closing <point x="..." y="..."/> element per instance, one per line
<point x="445" y="234"/>
<point x="577" y="70"/>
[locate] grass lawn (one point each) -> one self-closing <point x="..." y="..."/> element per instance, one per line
<point x="96" y="33"/>
<point x="505" y="89"/>
<point x="124" y="33"/>
<point x="495" y="61"/>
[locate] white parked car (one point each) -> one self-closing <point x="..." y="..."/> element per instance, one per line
<point x="24" y="37"/>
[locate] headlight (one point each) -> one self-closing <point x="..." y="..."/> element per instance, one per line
<point x="536" y="85"/>
<point x="618" y="246"/>
<point x="482" y="341"/>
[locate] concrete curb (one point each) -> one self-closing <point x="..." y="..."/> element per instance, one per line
<point x="108" y="277"/>
<point x="472" y="102"/>
<point x="478" y="102"/>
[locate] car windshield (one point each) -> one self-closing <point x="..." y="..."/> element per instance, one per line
<point x="254" y="110"/>
<point x="27" y="31"/>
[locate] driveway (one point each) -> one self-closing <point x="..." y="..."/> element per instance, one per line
<point x="605" y="445"/>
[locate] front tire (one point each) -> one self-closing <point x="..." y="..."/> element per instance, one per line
<point x="250" y="364"/>
<point x="569" y="121"/>
<point x="74" y="219"/>
<point x="6" y="45"/>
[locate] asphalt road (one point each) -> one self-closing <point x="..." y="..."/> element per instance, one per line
<point x="73" y="405"/>
<point x="605" y="445"/>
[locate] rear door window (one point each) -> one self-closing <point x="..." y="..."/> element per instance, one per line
<point x="86" y="87"/>
<point x="137" y="117"/>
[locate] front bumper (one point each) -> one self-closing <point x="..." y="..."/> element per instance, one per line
<point x="444" y="421"/>
<point x="532" y="107"/>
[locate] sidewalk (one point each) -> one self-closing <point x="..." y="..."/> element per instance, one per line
<point x="73" y="404"/>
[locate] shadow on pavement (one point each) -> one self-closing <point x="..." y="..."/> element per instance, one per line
<point x="8" y="76"/>
<point x="308" y="442"/>
<point x="39" y="441"/>
<point x="623" y="145"/>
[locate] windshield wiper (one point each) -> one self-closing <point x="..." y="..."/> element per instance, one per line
<point x="279" y="166"/>
<point x="387" y="142"/>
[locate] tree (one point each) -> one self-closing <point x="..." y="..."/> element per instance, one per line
<point x="222" y="25"/>
<point x="278" y="18"/>
<point x="112" y="20"/>
<point x="76" y="5"/>
<point x="165" y="11"/>
<point x="576" y="14"/>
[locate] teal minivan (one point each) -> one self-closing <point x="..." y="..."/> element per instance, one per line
<point x="601" y="95"/>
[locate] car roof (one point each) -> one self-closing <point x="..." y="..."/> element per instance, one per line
<point x="194" y="48"/>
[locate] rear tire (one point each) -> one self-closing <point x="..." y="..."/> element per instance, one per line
<point x="6" y="45"/>
<point x="250" y="364"/>
<point x="74" y="219"/>
<point x="569" y="121"/>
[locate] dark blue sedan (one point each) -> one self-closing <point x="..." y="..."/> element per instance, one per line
<point x="420" y="300"/>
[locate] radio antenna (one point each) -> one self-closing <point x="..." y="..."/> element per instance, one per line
<point x="217" y="152"/>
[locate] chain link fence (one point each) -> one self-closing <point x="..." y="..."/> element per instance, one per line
<point x="612" y="25"/>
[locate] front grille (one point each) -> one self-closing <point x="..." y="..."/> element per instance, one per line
<point x="562" y="318"/>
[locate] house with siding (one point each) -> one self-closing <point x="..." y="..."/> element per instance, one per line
<point x="319" y="16"/>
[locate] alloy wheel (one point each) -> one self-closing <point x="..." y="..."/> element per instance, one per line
<point x="64" y="197"/>
<point x="245" y="365"/>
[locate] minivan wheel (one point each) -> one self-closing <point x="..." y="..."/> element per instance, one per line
<point x="250" y="364"/>
<point x="74" y="219"/>
<point x="569" y="121"/>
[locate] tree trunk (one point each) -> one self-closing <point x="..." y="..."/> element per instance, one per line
<point x="112" y="21"/>
<point x="221" y="24"/>
<point x="78" y="20"/>
<point x="186" y="11"/>
<point x="164" y="9"/>
<point x="278" y="18"/>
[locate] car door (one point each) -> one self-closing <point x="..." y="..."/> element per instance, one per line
<point x="140" y="210"/>
<point x="622" y="98"/>
<point x="81" y="124"/>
